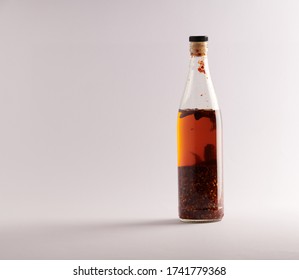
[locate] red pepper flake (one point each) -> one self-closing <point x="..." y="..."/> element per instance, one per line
<point x="201" y="67"/>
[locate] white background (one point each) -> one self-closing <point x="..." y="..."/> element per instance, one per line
<point x="89" y="92"/>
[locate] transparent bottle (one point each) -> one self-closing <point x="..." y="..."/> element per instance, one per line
<point x="199" y="140"/>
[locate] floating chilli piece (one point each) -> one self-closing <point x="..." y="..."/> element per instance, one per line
<point x="197" y="158"/>
<point x="197" y="115"/>
<point x="185" y="113"/>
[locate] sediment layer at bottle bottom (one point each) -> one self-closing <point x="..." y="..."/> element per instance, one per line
<point x="199" y="195"/>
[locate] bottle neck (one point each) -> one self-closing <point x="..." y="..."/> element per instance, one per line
<point x="199" y="58"/>
<point x="199" y="91"/>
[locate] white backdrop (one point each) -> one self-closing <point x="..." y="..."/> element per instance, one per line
<point x="89" y="92"/>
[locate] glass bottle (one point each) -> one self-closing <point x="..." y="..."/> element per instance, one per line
<point x="199" y="140"/>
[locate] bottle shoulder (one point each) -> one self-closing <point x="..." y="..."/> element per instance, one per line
<point x="199" y="94"/>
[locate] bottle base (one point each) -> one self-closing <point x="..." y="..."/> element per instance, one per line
<point x="200" y="221"/>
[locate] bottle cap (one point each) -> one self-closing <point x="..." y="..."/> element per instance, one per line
<point x="198" y="38"/>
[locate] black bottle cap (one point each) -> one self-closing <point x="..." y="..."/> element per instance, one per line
<point x="198" y="38"/>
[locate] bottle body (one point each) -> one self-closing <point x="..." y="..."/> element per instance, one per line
<point x="199" y="140"/>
